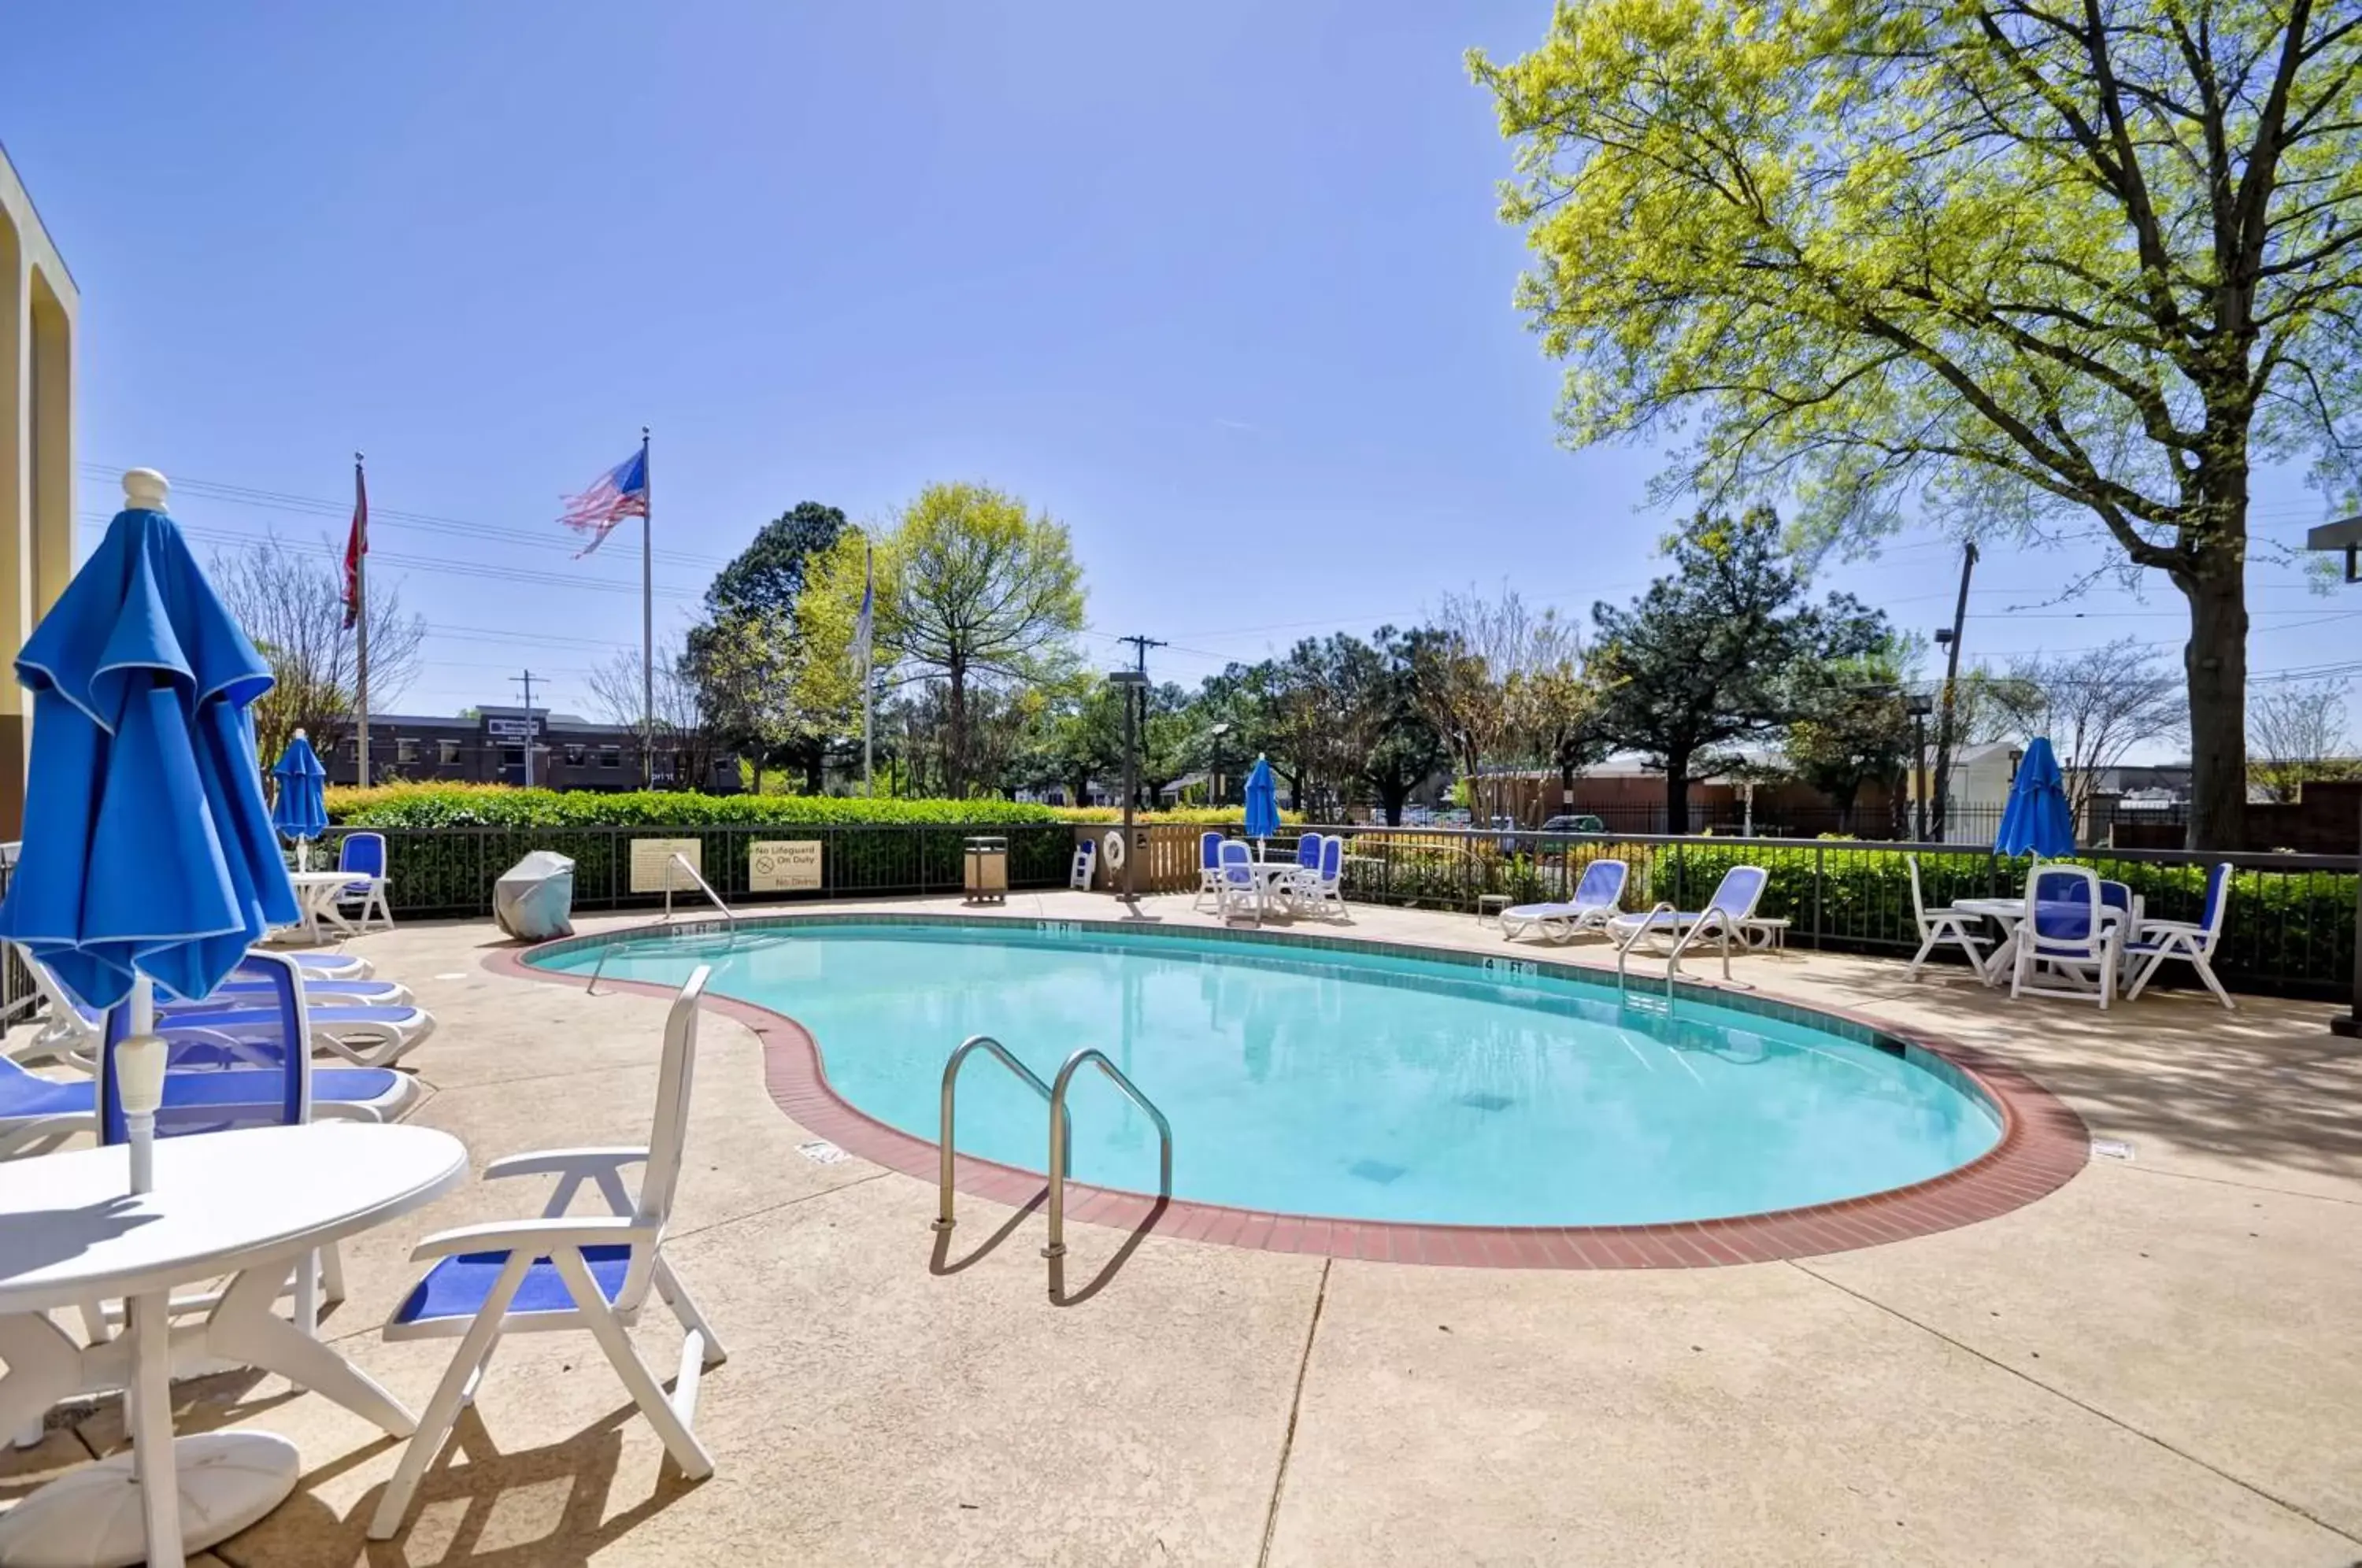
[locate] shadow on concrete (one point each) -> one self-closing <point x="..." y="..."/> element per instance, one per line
<point x="1108" y="1271"/>
<point x="942" y="1262"/>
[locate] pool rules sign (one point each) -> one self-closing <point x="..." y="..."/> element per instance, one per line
<point x="784" y="865"/>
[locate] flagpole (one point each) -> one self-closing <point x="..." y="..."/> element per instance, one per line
<point x="360" y="629"/>
<point x="868" y="661"/>
<point x="647" y="617"/>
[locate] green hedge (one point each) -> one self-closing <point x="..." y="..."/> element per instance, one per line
<point x="476" y="805"/>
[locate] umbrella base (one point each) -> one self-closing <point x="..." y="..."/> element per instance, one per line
<point x="91" y="1517"/>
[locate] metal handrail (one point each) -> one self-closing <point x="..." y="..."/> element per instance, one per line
<point x="1061" y="1140"/>
<point x="1631" y="939"/>
<point x="943" y="1218"/>
<point x="678" y="858"/>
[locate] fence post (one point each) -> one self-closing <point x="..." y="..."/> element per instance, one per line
<point x="1820" y="865"/>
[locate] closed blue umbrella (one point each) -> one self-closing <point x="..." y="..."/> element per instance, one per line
<point x="2036" y="821"/>
<point x="1262" y="801"/>
<point x="148" y="854"/>
<point x="301" y="810"/>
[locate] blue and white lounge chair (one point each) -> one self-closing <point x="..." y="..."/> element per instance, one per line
<point x="364" y="1035"/>
<point x="1209" y="875"/>
<point x="363" y="855"/>
<point x="2157" y="941"/>
<point x="332" y="965"/>
<point x="565" y="1273"/>
<point x="1724" y="919"/>
<point x="1593" y="904"/>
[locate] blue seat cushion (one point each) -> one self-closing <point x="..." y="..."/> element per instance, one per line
<point x="457" y="1286"/>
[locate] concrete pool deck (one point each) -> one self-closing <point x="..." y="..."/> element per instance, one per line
<point x="2157" y="1363"/>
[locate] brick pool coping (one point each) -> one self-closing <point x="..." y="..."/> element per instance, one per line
<point x="2043" y="1142"/>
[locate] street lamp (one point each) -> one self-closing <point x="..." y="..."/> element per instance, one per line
<point x="1214" y="761"/>
<point x="1918" y="704"/>
<point x="2346" y="535"/>
<point x="1131" y="683"/>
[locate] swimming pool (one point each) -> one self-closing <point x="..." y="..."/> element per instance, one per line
<point x="1363" y="1084"/>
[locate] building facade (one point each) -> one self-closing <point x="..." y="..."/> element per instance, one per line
<point x="489" y="746"/>
<point x="39" y="311"/>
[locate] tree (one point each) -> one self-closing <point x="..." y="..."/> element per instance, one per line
<point x="2294" y="727"/>
<point x="292" y="605"/>
<point x="1707" y="654"/>
<point x="971" y="590"/>
<point x="1403" y="749"/>
<point x="1970" y="259"/>
<point x="747" y="650"/>
<point x="1850" y="729"/>
<point x="768" y="575"/>
<point x="685" y="731"/>
<point x="2096" y="706"/>
<point x="744" y="668"/>
<point x="1553" y="705"/>
<point x="1461" y="681"/>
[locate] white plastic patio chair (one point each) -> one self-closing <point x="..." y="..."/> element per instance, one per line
<point x="1087" y="858"/>
<point x="565" y="1273"/>
<point x="1595" y="900"/>
<point x="1321" y="890"/>
<point x="1237" y="893"/>
<point x="2063" y="929"/>
<point x="1937" y="926"/>
<point x="363" y="855"/>
<point x="1209" y="874"/>
<point x="2157" y="941"/>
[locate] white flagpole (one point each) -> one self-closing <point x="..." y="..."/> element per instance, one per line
<point x="360" y="624"/>
<point x="647" y="617"/>
<point x="868" y="661"/>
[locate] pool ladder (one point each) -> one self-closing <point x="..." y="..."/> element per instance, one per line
<point x="1721" y="924"/>
<point x="704" y="886"/>
<point x="1061" y="1141"/>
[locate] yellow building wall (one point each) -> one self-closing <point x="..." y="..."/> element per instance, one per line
<point x="40" y="314"/>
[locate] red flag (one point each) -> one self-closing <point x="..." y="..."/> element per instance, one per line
<point x="355" y="548"/>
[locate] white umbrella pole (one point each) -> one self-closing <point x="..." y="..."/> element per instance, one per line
<point x="139" y="1064"/>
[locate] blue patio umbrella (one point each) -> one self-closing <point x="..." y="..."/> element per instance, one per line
<point x="2036" y="821"/>
<point x="148" y="854"/>
<point x="301" y="810"/>
<point x="1262" y="801"/>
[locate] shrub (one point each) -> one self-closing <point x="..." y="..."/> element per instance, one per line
<point x="1192" y="816"/>
<point x="502" y="805"/>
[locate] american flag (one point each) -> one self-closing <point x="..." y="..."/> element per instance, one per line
<point x="621" y="492"/>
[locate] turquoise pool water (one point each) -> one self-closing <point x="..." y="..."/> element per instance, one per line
<point x="1363" y="1086"/>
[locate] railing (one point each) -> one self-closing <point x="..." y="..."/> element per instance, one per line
<point x="1060" y="1154"/>
<point x="1061" y="1144"/>
<point x="2290" y="927"/>
<point x="1061" y="1141"/>
<point x="703" y="886"/>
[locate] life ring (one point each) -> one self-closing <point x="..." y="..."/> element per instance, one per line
<point x="1111" y="846"/>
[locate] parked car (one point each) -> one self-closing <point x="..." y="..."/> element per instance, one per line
<point x="1582" y="822"/>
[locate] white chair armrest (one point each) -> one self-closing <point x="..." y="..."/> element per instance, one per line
<point x="564" y="1162"/>
<point x="514" y="1235"/>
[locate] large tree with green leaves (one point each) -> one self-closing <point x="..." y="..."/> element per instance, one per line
<point x="1712" y="652"/>
<point x="1995" y="262"/>
<point x="972" y="591"/>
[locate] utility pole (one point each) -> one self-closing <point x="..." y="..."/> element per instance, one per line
<point x="1137" y="692"/>
<point x="1952" y="638"/>
<point x="526" y="681"/>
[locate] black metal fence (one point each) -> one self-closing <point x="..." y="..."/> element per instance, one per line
<point x="448" y="871"/>
<point x="2290" y="927"/>
<point x="1967" y="826"/>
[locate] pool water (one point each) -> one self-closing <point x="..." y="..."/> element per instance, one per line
<point x="1354" y="1085"/>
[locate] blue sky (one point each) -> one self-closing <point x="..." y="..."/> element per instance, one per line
<point x="1220" y="287"/>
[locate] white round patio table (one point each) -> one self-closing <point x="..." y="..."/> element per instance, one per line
<point x="316" y="892"/>
<point x="250" y="1204"/>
